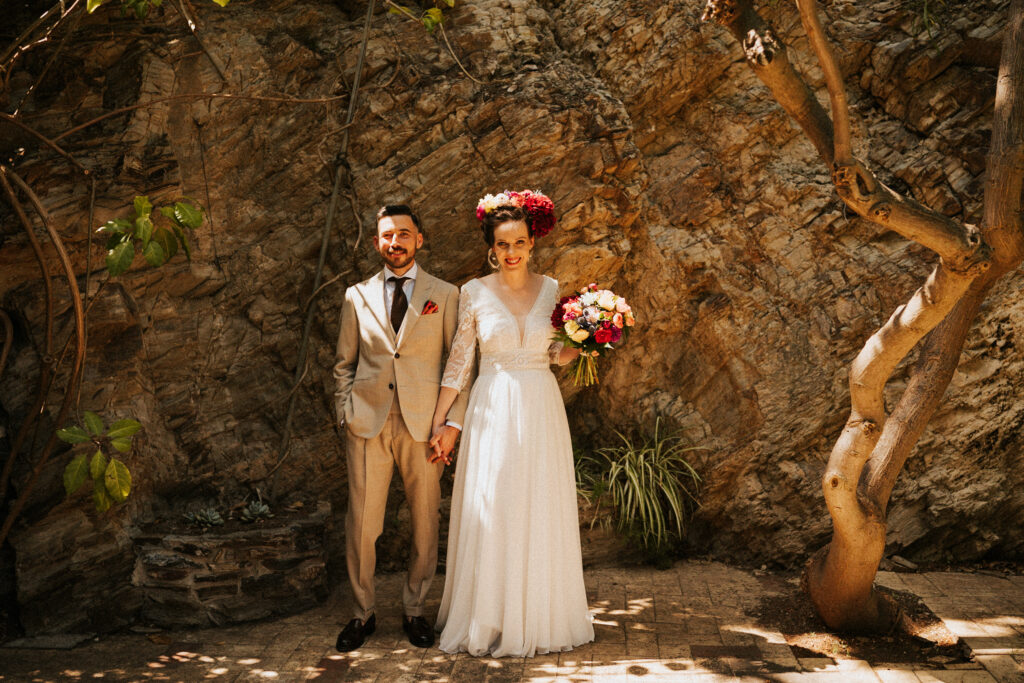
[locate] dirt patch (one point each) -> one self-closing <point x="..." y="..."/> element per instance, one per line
<point x="923" y="639"/>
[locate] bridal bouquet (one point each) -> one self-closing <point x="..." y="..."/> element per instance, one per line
<point x="593" y="321"/>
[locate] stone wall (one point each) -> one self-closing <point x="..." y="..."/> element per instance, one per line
<point x="678" y="182"/>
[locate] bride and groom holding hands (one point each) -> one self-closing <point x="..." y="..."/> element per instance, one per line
<point x="406" y="387"/>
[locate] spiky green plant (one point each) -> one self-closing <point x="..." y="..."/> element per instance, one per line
<point x="651" y="485"/>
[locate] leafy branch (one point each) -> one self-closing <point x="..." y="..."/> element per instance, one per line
<point x="157" y="241"/>
<point x="431" y="19"/>
<point x="111" y="478"/>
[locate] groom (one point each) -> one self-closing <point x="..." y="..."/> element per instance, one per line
<point x="396" y="330"/>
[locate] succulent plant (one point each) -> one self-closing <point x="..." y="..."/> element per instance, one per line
<point x="206" y="517"/>
<point x="256" y="509"/>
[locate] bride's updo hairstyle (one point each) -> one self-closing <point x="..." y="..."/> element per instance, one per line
<point x="529" y="206"/>
<point x="503" y="214"/>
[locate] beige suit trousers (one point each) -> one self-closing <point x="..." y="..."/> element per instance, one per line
<point x="371" y="463"/>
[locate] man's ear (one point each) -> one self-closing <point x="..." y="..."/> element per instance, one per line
<point x="419" y="240"/>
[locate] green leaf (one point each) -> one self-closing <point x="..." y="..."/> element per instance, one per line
<point x="119" y="259"/>
<point x="222" y="3"/>
<point x="93" y="423"/>
<point x="73" y="434"/>
<point x="432" y="18"/>
<point x="75" y="473"/>
<point x="157" y="3"/>
<point x="188" y="215"/>
<point x="143" y="229"/>
<point x="143" y="207"/>
<point x="123" y="444"/>
<point x="154" y="254"/>
<point x="184" y="241"/>
<point x="98" y="465"/>
<point x="92" y="5"/>
<point x="100" y="496"/>
<point x="116" y="226"/>
<point x="118" y="480"/>
<point x="398" y="9"/>
<point x="124" y="428"/>
<point x="165" y="238"/>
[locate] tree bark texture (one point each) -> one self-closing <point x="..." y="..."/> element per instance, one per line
<point x="873" y="446"/>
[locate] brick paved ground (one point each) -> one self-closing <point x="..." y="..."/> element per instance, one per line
<point x="686" y="624"/>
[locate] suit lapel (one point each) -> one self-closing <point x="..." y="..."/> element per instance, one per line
<point x="373" y="294"/>
<point x="420" y="296"/>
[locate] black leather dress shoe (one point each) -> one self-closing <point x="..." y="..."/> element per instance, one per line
<point x="355" y="633"/>
<point x="420" y="632"/>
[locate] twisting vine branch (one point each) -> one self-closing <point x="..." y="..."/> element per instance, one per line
<point x="8" y="339"/>
<point x="196" y="96"/>
<point x="6" y="176"/>
<point x="325" y="237"/>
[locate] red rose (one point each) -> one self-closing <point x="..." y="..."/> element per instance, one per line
<point x="603" y="335"/>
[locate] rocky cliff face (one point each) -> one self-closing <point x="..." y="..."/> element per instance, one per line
<point x="678" y="182"/>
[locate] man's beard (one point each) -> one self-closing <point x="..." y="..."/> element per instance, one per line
<point x="399" y="260"/>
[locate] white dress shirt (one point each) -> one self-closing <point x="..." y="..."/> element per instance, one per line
<point x="407" y="286"/>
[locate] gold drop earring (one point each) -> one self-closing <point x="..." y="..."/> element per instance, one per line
<point x="492" y="260"/>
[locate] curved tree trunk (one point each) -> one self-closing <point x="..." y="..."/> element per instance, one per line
<point x="872" y="448"/>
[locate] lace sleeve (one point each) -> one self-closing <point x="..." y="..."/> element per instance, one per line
<point x="462" y="354"/>
<point x="555" y="349"/>
<point x="554" y="352"/>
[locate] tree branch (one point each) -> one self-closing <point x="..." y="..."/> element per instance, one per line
<point x="767" y="56"/>
<point x="959" y="246"/>
<point x="833" y="80"/>
<point x="929" y="378"/>
<point x="1004" y="171"/>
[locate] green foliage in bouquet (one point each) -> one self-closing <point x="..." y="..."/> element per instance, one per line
<point x="651" y="486"/>
<point x="111" y="478"/>
<point x="157" y="236"/>
<point x="207" y="517"/>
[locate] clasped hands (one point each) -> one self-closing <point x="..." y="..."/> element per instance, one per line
<point x="442" y="443"/>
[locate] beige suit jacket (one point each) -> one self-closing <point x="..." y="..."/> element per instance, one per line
<point x="374" y="364"/>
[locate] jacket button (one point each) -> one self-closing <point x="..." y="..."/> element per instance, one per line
<point x="398" y="355"/>
<point x="391" y="386"/>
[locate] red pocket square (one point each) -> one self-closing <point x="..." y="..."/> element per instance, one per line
<point x="429" y="308"/>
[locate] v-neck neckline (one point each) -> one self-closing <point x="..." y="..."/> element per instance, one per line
<point x="521" y="330"/>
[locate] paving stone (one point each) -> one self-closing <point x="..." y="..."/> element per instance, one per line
<point x="1003" y="668"/>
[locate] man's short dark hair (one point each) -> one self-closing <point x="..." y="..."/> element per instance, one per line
<point x="399" y="210"/>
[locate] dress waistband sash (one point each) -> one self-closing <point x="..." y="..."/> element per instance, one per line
<point x="512" y="361"/>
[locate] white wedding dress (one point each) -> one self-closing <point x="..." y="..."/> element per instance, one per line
<point x="514" y="578"/>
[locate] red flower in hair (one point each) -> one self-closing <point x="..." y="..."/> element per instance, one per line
<point x="540" y="209"/>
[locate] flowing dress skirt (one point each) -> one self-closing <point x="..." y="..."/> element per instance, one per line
<point x="514" y="579"/>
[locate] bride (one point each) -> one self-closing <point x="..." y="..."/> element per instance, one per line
<point x="514" y="579"/>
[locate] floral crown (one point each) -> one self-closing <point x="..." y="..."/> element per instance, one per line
<point x="537" y="205"/>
